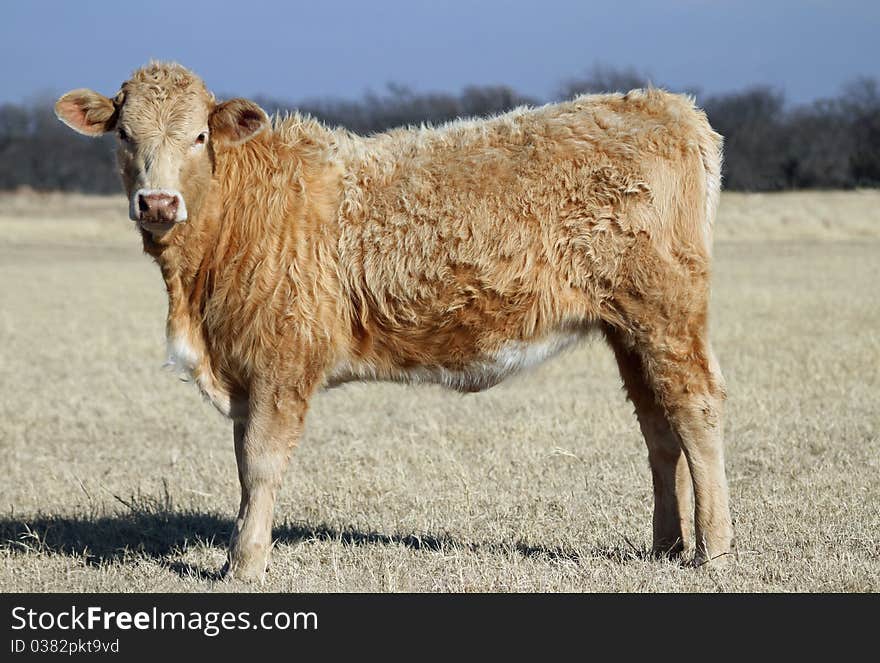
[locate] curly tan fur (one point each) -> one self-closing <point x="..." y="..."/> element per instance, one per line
<point x="458" y="254"/>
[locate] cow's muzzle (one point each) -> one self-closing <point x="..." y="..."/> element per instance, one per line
<point x="162" y="206"/>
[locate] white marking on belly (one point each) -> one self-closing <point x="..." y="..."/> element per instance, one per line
<point x="515" y="356"/>
<point x="512" y="357"/>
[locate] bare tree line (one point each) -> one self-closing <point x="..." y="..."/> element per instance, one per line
<point x="769" y="145"/>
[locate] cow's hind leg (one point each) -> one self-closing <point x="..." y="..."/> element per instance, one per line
<point x="673" y="491"/>
<point x="681" y="368"/>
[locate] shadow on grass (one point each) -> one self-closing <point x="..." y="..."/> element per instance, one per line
<point x="162" y="533"/>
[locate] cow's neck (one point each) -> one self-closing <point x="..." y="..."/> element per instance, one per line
<point x="185" y="256"/>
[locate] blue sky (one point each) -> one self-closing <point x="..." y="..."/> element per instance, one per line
<point x="341" y="48"/>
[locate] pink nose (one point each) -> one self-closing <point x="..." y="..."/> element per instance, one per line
<point x="157" y="207"/>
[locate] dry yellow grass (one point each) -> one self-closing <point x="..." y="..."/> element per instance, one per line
<point x="117" y="477"/>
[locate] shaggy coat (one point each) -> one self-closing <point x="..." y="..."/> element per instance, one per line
<point x="459" y="254"/>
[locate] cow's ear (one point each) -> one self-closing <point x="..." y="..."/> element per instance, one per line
<point x="236" y="121"/>
<point x="87" y="112"/>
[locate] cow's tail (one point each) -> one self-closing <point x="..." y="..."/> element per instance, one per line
<point x="710" y="145"/>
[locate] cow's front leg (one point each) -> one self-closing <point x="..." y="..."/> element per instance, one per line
<point x="263" y="445"/>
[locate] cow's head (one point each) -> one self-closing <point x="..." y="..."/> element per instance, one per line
<point x="167" y="126"/>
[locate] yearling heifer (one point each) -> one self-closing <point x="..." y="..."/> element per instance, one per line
<point x="298" y="257"/>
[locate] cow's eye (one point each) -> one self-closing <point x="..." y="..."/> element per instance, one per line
<point x="123" y="136"/>
<point x="201" y="138"/>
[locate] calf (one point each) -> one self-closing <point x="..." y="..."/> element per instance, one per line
<point x="298" y="257"/>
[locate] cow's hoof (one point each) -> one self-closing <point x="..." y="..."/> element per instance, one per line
<point x="703" y="560"/>
<point x="245" y="569"/>
<point x="672" y="550"/>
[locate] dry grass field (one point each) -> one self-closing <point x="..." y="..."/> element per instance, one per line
<point x="118" y="477"/>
